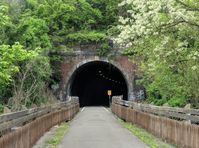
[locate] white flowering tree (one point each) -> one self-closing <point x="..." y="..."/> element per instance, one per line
<point x="165" y="35"/>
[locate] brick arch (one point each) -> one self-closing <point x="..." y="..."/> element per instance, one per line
<point x="71" y="63"/>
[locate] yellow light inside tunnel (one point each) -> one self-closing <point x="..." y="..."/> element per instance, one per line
<point x="109" y="92"/>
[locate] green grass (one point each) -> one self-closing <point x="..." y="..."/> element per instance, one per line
<point x="55" y="140"/>
<point x="144" y="136"/>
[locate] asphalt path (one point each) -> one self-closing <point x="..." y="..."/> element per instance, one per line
<point x="97" y="127"/>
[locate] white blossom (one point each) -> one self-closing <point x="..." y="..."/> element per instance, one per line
<point x="194" y="68"/>
<point x="146" y="22"/>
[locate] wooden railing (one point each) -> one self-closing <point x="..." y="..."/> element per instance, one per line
<point x="182" y="114"/>
<point x="22" y="129"/>
<point x="10" y="121"/>
<point x="170" y="124"/>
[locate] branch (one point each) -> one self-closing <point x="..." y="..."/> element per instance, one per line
<point x="192" y="23"/>
<point x="189" y="8"/>
<point x="169" y="25"/>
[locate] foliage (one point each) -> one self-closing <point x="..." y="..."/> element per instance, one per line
<point x="5" y="23"/>
<point x="158" y="102"/>
<point x="31" y="31"/>
<point x="11" y="57"/>
<point x="178" y="101"/>
<point x="68" y="20"/>
<point x="165" y="35"/>
<point x="51" y="23"/>
<point x="109" y="13"/>
<point x="31" y="83"/>
<point x="34" y="33"/>
<point x="87" y="36"/>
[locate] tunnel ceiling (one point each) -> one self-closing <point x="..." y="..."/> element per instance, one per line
<point x="91" y="81"/>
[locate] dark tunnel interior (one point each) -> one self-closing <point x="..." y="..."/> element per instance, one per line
<point x="92" y="81"/>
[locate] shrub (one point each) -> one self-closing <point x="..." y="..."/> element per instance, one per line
<point x="160" y="102"/>
<point x="177" y="102"/>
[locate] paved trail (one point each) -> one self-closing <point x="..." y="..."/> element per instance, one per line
<point x="96" y="127"/>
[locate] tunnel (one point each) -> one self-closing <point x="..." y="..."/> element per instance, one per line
<point x="91" y="82"/>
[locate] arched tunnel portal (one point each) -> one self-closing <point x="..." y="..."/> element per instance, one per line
<point x="91" y="81"/>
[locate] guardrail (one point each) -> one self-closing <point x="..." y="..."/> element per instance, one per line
<point x="22" y="129"/>
<point x="191" y="115"/>
<point x="168" y="123"/>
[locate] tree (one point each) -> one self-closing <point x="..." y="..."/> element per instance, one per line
<point x="5" y="23"/>
<point x="35" y="33"/>
<point x="11" y="58"/>
<point x="30" y="32"/>
<point x="30" y="85"/>
<point x="165" y="35"/>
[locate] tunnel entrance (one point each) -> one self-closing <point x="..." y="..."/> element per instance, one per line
<point x="91" y="81"/>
